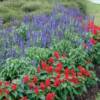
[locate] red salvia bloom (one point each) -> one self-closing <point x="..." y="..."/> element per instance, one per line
<point x="31" y="85"/>
<point x="58" y="68"/>
<point x="42" y="86"/>
<point x="36" y="90"/>
<point x="92" y="41"/>
<point x="74" y="80"/>
<point x="57" y="82"/>
<point x="35" y="79"/>
<point x="73" y="73"/>
<point x="81" y="68"/>
<point x="6" y="91"/>
<point x="56" y="54"/>
<point x="66" y="73"/>
<point x="58" y="76"/>
<point x="14" y="87"/>
<point x="50" y="96"/>
<point x="26" y="79"/>
<point x="38" y="69"/>
<point x="47" y="82"/>
<point x="87" y="73"/>
<point x="79" y="74"/>
<point x="84" y="71"/>
<point x="66" y="70"/>
<point x="7" y="83"/>
<point x="1" y="91"/>
<point x="49" y="69"/>
<point x="60" y="65"/>
<point x="0" y="83"/>
<point x="90" y="25"/>
<point x="44" y="65"/>
<point x="51" y="60"/>
<point x="94" y="30"/>
<point x="66" y="76"/>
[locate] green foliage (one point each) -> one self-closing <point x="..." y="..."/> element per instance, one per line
<point x="13" y="68"/>
<point x="31" y="6"/>
<point x="78" y="56"/>
<point x="95" y="54"/>
<point x="38" y="53"/>
<point x="63" y="46"/>
<point x="71" y="86"/>
<point x="22" y="30"/>
<point x="20" y="8"/>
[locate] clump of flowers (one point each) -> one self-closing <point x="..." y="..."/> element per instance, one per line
<point x="53" y="80"/>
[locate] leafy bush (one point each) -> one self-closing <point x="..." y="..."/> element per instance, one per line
<point x="53" y="80"/>
<point x="13" y="68"/>
<point x="31" y="6"/>
<point x="95" y="54"/>
<point x="38" y="53"/>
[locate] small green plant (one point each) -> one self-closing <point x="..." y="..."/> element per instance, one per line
<point x="13" y="68"/>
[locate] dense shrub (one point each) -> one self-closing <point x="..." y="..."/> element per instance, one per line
<point x="31" y="6"/>
<point x="53" y="80"/>
<point x="96" y="54"/>
<point x="13" y="68"/>
<point x="38" y="53"/>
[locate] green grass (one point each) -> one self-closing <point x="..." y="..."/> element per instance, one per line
<point x="98" y="96"/>
<point x="93" y="10"/>
<point x="19" y="8"/>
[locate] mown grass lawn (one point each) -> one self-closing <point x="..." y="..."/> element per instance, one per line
<point x="93" y="10"/>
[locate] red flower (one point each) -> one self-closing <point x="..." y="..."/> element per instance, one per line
<point x="50" y="69"/>
<point x="14" y="87"/>
<point x="73" y="73"/>
<point x="60" y="65"/>
<point x="6" y="91"/>
<point x="24" y="98"/>
<point x="1" y="91"/>
<point x="92" y="41"/>
<point x="90" y="25"/>
<point x="36" y="90"/>
<point x="42" y="86"/>
<point x="66" y="76"/>
<point x="56" y="54"/>
<point x="44" y="65"/>
<point x="84" y="71"/>
<point x="57" y="82"/>
<point x="38" y="69"/>
<point x="94" y="30"/>
<point x="58" y="76"/>
<point x="74" y="80"/>
<point x="66" y="70"/>
<point x="47" y="82"/>
<point x="81" y="69"/>
<point x="79" y="74"/>
<point x="51" y="60"/>
<point x="35" y="79"/>
<point x="7" y="83"/>
<point x="66" y="73"/>
<point x="0" y="83"/>
<point x="58" y="68"/>
<point x="31" y="85"/>
<point x="26" y="79"/>
<point x="50" y="96"/>
<point x="87" y="73"/>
